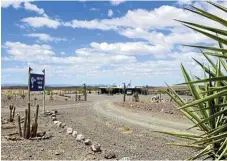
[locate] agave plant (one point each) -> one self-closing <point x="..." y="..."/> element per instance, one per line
<point x="208" y="111"/>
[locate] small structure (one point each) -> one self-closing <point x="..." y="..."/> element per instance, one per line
<point x="119" y="90"/>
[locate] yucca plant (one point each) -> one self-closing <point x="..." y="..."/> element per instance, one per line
<point x="208" y="111"/>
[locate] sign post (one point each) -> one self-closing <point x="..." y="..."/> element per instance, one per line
<point x="44" y="92"/>
<point x="37" y="83"/>
<point x="29" y="107"/>
<point x="85" y="92"/>
<point x="124" y="92"/>
<point x="29" y="76"/>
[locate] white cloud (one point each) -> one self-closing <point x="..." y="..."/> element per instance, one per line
<point x="90" y="64"/>
<point x="129" y="48"/>
<point x="167" y="40"/>
<point x="41" y="22"/>
<point x="93" y="24"/>
<point x="45" y="37"/>
<point x="14" y="3"/>
<point x="158" y="18"/>
<point x="117" y="2"/>
<point x="149" y="25"/>
<point x="110" y="13"/>
<point x="32" y="7"/>
<point x="23" y="52"/>
<point x="27" y="5"/>
<point x="44" y="54"/>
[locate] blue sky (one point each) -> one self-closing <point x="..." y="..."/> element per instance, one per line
<point x="99" y="42"/>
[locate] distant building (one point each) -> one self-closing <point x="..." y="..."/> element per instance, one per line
<point x="120" y="90"/>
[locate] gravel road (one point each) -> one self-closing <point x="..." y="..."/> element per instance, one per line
<point x="126" y="132"/>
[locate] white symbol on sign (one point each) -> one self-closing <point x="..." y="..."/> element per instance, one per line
<point x="33" y="80"/>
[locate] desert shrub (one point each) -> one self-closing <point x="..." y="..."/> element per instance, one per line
<point x="9" y="97"/>
<point x="51" y="96"/>
<point x="136" y="97"/>
<point x="22" y="96"/>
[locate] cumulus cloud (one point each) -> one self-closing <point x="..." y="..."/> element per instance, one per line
<point x="129" y="48"/>
<point x="149" y="25"/>
<point x="158" y="18"/>
<point x="167" y="40"/>
<point x="89" y="65"/>
<point x="45" y="37"/>
<point x="38" y="22"/>
<point x="23" y="52"/>
<point x="93" y="24"/>
<point x="27" y="5"/>
<point x="44" y="54"/>
<point x="116" y="2"/>
<point x="15" y="4"/>
<point x="32" y="7"/>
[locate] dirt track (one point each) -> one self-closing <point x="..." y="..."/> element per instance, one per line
<point x="140" y="118"/>
<point x="127" y="132"/>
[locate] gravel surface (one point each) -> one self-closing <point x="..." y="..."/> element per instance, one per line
<point x="163" y="107"/>
<point x="103" y="123"/>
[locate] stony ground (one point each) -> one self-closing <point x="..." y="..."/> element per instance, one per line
<point x="36" y="99"/>
<point x="125" y="131"/>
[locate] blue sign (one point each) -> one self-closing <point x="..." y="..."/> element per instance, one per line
<point x="36" y="82"/>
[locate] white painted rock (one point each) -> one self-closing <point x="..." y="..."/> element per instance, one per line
<point x="96" y="148"/>
<point x="74" y="133"/>
<point x="53" y="118"/>
<point x="125" y="158"/>
<point x="80" y="137"/>
<point x="56" y="122"/>
<point x="87" y="142"/>
<point x="69" y="130"/>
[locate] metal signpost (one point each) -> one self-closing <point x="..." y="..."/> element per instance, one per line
<point x="43" y="91"/>
<point x="124" y="92"/>
<point x="36" y="82"/>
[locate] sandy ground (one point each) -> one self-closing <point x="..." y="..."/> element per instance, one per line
<point x="125" y="131"/>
